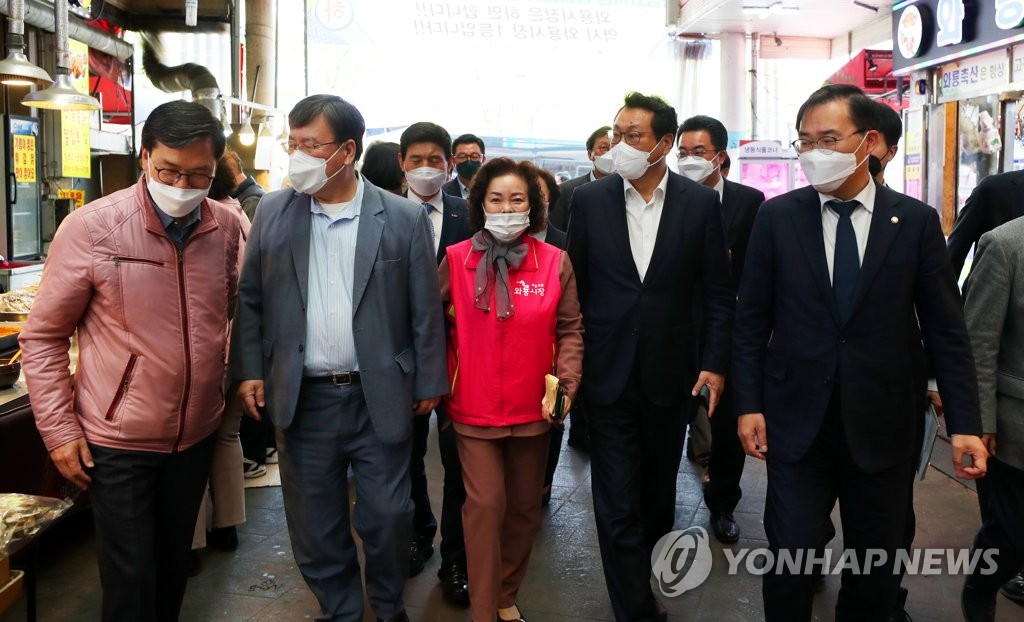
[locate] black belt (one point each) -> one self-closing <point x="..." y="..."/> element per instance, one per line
<point x="340" y="378"/>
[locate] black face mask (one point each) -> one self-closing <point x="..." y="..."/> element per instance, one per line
<point x="874" y="166"/>
<point x="468" y="168"/>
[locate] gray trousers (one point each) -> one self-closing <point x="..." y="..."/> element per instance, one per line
<point x="330" y="432"/>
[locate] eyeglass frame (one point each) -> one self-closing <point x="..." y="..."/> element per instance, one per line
<point x="476" y="157"/>
<point x="624" y="136"/>
<point x="689" y="153"/>
<point x="308" y="148"/>
<point x="814" y="144"/>
<point x="178" y="175"/>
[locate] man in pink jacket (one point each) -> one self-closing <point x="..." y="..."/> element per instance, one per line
<point x="148" y="276"/>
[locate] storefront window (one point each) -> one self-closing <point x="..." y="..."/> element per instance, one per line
<point x="980" y="143"/>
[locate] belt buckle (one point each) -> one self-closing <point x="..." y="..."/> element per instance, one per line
<point x="341" y="379"/>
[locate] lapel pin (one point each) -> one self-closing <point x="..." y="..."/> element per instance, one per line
<point x="895" y="220"/>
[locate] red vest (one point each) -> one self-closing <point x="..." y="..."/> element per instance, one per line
<point x="497" y="368"/>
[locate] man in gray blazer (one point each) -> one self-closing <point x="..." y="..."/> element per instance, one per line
<point x="994" y="310"/>
<point x="339" y="339"/>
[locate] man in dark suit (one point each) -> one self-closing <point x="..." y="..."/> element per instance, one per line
<point x="702" y="142"/>
<point x="598" y="145"/>
<point x="828" y="354"/>
<point x="468" y="154"/>
<point x="339" y="335"/>
<point x="643" y="242"/>
<point x="424" y="154"/>
<point x="998" y="199"/>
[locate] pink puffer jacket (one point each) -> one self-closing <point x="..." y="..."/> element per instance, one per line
<point x="152" y="326"/>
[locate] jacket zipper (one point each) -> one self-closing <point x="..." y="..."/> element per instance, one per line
<point x="118" y="259"/>
<point x="122" y="388"/>
<point x="188" y="347"/>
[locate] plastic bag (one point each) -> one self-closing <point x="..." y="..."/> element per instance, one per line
<point x="23" y="516"/>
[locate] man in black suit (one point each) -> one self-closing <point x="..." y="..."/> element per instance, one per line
<point x="468" y="155"/>
<point x="598" y="145"/>
<point x="997" y="200"/>
<point x="424" y="154"/>
<point x="828" y="355"/>
<point x="702" y="142"/>
<point x="643" y="243"/>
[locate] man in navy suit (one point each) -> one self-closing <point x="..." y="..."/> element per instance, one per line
<point x="702" y="142"/>
<point x="424" y="154"/>
<point x="846" y="293"/>
<point x="598" y="145"/>
<point x="468" y="154"/>
<point x="644" y="242"/>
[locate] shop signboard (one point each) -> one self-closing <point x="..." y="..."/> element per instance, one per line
<point x="983" y="73"/>
<point x="77" y="195"/>
<point x="935" y="32"/>
<point x="74" y="138"/>
<point x="913" y="144"/>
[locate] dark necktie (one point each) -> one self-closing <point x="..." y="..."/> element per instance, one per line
<point x="428" y="207"/>
<point x="846" y="264"/>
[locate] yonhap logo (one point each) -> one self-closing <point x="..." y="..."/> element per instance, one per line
<point x="681" y="561"/>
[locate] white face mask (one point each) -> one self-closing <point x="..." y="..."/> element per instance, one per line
<point x="696" y="168"/>
<point x="426" y="181"/>
<point x="308" y="173"/>
<point x="507" y="226"/>
<point x="604" y="163"/>
<point x="172" y="200"/>
<point x="630" y="162"/>
<point x="828" y="171"/>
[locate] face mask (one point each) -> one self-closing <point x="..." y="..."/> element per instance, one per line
<point x="696" y="168"/>
<point x="307" y="173"/>
<point x="507" y="226"/>
<point x="826" y="172"/>
<point x="630" y="162"/>
<point x="426" y="181"/>
<point x="604" y="163"/>
<point x="467" y="169"/>
<point x="172" y="200"/>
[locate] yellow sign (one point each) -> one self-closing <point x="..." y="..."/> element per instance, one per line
<point x="77" y="195"/>
<point x="74" y="140"/>
<point x="24" y="157"/>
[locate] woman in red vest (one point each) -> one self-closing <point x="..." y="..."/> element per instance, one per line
<point x="514" y="317"/>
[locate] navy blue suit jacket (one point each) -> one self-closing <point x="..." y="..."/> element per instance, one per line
<point x="790" y="352"/>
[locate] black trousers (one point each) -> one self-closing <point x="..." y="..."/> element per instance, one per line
<point x="453" y="546"/>
<point x="636" y="446"/>
<point x="1001" y="497"/>
<point x="727" y="458"/>
<point x="145" y="506"/>
<point x="873" y="509"/>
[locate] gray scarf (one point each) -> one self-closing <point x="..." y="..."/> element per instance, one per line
<point x="498" y="256"/>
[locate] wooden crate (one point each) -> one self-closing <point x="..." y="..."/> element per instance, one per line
<point x="5" y="570"/>
<point x="11" y="591"/>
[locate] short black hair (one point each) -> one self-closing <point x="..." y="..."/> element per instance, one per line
<point x="467" y="139"/>
<point x="344" y="119"/>
<point x="890" y="126"/>
<point x="598" y="133"/>
<point x="380" y="166"/>
<point x="426" y="132"/>
<point x="863" y="112"/>
<point x="179" y="123"/>
<point x="499" y="167"/>
<point x="665" y="120"/>
<point x="702" y="123"/>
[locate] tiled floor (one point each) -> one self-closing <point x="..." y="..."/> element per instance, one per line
<point x="259" y="582"/>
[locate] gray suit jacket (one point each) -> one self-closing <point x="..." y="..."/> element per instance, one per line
<point x="397" y="318"/>
<point x="994" y="310"/>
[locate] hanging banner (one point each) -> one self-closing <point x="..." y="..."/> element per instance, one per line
<point x="74" y="140"/>
<point x="24" y="157"/>
<point x="77" y="195"/>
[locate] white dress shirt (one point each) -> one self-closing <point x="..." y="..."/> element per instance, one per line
<point x="435" y="215"/>
<point x="720" y="188"/>
<point x="642" y="220"/>
<point x="860" y="217"/>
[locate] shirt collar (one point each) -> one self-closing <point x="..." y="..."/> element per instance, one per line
<point x="720" y="187"/>
<point x="186" y="220"/>
<point x="866" y="197"/>
<point x="348" y="210"/>
<point x="662" y="187"/>
<point x="463" y="188"/>
<point x="593" y="177"/>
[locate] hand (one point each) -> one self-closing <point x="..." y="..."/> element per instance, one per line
<point x="715" y="382"/>
<point x="753" y="435"/>
<point x="967" y="444"/>
<point x="69" y="459"/>
<point x="547" y="410"/>
<point x="251" y="394"/>
<point x="423" y="407"/>
<point x="936" y="401"/>
<point x="990" y="443"/>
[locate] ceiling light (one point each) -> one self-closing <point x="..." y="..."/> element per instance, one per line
<point x="62" y="94"/>
<point x="16" y="69"/>
<point x="246" y="135"/>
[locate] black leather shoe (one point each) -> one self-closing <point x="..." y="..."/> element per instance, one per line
<point x="725" y="527"/>
<point x="1014" y="589"/>
<point x="402" y="617"/>
<point x="454" y="583"/>
<point x="420" y="551"/>
<point x="977" y="603"/>
<point x="225" y="538"/>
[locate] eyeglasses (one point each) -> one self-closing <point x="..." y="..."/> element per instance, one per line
<point x="631" y="138"/>
<point x="825" y="144"/>
<point x="462" y="157"/>
<point x="170" y="177"/>
<point x="307" y="148"/>
<point x="699" y="152"/>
